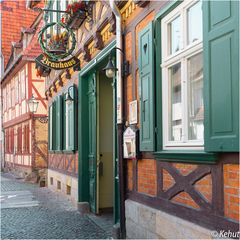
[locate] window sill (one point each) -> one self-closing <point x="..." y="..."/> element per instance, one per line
<point x="186" y="156"/>
<point x="69" y="151"/>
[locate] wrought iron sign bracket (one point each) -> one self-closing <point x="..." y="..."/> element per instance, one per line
<point x="38" y="9"/>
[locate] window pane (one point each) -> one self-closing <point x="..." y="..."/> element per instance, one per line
<point x="194" y="14"/>
<point x="175" y="118"/>
<point x="195" y="96"/>
<point x="174" y="31"/>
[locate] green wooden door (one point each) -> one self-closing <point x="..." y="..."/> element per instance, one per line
<point x="92" y="142"/>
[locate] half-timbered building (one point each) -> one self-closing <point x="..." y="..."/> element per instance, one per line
<point x="25" y="135"/>
<point x="78" y="179"/>
<point x="184" y="183"/>
<point x="159" y="141"/>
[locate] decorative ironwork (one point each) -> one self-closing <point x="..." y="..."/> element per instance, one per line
<point x="57" y="47"/>
<point x="42" y="119"/>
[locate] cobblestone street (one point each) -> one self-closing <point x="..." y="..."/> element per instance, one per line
<point x="30" y="212"/>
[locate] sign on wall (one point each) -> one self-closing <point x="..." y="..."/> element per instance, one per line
<point x="133" y="116"/>
<point x="130" y="137"/>
<point x="57" y="65"/>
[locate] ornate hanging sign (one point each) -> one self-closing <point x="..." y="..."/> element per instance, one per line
<point x="58" y="42"/>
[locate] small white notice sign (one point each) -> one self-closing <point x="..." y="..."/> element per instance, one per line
<point x="133" y="114"/>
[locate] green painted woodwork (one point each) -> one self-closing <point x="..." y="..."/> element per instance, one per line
<point x="158" y="72"/>
<point x="83" y="139"/>
<point x="50" y="147"/>
<point x="168" y="8"/>
<point x="221" y="75"/>
<point x="116" y="208"/>
<point x="101" y="56"/>
<point x="92" y="154"/>
<point x="146" y="76"/>
<point x="158" y="91"/>
<point x="186" y="156"/>
<point x="59" y="123"/>
<point x="83" y="132"/>
<point x="54" y="125"/>
<point x="64" y="145"/>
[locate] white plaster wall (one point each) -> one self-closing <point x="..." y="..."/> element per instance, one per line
<point x="65" y="180"/>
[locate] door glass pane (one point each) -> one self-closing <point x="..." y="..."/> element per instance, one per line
<point x="175" y="35"/>
<point x="195" y="97"/>
<point x="194" y="16"/>
<point x="175" y="105"/>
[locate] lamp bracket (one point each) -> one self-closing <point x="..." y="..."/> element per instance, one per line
<point x="42" y="119"/>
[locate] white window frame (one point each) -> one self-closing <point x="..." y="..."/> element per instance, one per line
<point x="168" y="60"/>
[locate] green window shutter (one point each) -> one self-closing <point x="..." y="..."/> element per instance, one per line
<point x="71" y="121"/>
<point x="64" y="122"/>
<point x="54" y="125"/>
<point x="50" y="128"/>
<point x="59" y="123"/>
<point x="221" y="75"/>
<point x="146" y="78"/>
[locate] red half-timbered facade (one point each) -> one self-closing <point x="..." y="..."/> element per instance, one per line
<point x="25" y="136"/>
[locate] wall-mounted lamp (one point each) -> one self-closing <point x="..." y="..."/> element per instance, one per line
<point x="110" y="69"/>
<point x="33" y="104"/>
<point x="69" y="99"/>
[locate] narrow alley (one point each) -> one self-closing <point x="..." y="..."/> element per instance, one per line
<point x="30" y="212"/>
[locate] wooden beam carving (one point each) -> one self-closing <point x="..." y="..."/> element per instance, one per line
<point x="60" y="81"/>
<point x="54" y="87"/>
<point x="112" y="21"/>
<point x="86" y="53"/>
<point x="98" y="41"/>
<point x="141" y="4"/>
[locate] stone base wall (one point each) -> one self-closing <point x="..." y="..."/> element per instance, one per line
<point x="143" y="222"/>
<point x="55" y="178"/>
<point x="18" y="170"/>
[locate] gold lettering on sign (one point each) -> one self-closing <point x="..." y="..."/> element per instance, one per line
<point x="57" y="65"/>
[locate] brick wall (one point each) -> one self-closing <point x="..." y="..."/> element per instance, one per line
<point x="41" y="149"/>
<point x="130" y="174"/>
<point x="64" y="163"/>
<point x="14" y="17"/>
<point x="231" y="191"/>
<point x="147" y="178"/>
<point x="146" y="168"/>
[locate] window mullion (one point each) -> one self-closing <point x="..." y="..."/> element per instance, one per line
<point x="182" y="40"/>
<point x="185" y="89"/>
<point x="184" y="72"/>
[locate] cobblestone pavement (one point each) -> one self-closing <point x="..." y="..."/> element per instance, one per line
<point x="50" y="217"/>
